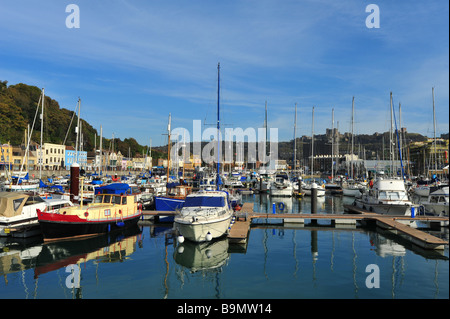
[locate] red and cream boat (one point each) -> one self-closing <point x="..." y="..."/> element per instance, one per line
<point x="108" y="212"/>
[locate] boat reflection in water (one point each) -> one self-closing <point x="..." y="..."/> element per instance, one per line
<point x="203" y="256"/>
<point x="112" y="247"/>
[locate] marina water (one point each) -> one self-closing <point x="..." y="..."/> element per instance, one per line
<point x="278" y="262"/>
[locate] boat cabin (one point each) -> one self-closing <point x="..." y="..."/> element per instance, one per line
<point x="112" y="199"/>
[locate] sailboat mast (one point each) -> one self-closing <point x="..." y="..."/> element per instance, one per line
<point x="168" y="148"/>
<point x="101" y="150"/>
<point x="42" y="132"/>
<point x="295" y="138"/>
<point x="390" y="139"/>
<point x="218" y="125"/>
<point x="351" y="160"/>
<point x="312" y="145"/>
<point x="332" y="145"/>
<point x="265" y="122"/>
<point x="434" y="129"/>
<point x="78" y="132"/>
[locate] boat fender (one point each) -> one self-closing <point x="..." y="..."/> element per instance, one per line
<point x="120" y="211"/>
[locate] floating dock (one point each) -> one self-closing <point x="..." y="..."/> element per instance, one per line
<point x="398" y="225"/>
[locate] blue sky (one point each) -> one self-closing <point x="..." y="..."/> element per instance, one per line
<point x="133" y="62"/>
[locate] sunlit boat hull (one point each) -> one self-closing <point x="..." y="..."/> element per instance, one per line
<point x="58" y="226"/>
<point x="197" y="231"/>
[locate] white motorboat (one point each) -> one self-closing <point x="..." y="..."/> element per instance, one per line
<point x="307" y="189"/>
<point x="18" y="212"/>
<point x="205" y="215"/>
<point x="352" y="189"/>
<point x="263" y="183"/>
<point x="24" y="186"/>
<point x="282" y="186"/>
<point x="422" y="190"/>
<point x="437" y="203"/>
<point x="387" y="196"/>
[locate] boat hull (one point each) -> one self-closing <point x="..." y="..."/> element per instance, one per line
<point x="307" y="192"/>
<point x="59" y="227"/>
<point x="352" y="192"/>
<point x="385" y="209"/>
<point x="288" y="191"/>
<point x="437" y="209"/>
<point x="197" y="231"/>
<point x="423" y="191"/>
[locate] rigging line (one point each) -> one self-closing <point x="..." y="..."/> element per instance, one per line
<point x="67" y="133"/>
<point x="29" y="135"/>
<point x="398" y="144"/>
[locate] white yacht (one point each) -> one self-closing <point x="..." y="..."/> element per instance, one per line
<point x="387" y="196"/>
<point x="307" y="189"/>
<point x="352" y="189"/>
<point x="437" y="203"/>
<point x="205" y="215"/>
<point x="18" y="211"/>
<point x="282" y="186"/>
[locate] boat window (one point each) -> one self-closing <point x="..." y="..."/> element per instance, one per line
<point x="124" y="200"/>
<point x="98" y="199"/>
<point x="116" y="200"/>
<point x="394" y="195"/>
<point x="433" y="199"/>
<point x="382" y="195"/>
<point x="34" y="200"/>
<point x="402" y="195"/>
<point x="441" y="199"/>
<point x="205" y="201"/>
<point x="17" y="202"/>
<point x="107" y="199"/>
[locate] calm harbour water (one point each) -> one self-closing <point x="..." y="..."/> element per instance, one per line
<point x="277" y="263"/>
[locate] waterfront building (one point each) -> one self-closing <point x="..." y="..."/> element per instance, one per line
<point x="19" y="160"/>
<point x="5" y="157"/>
<point x="70" y="157"/>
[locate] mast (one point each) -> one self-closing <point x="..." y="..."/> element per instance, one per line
<point x="312" y="145"/>
<point x="101" y="150"/>
<point x="77" y="130"/>
<point x="400" y="126"/>
<point x="26" y="149"/>
<point x="337" y="147"/>
<point x="168" y="148"/>
<point x="332" y="145"/>
<point x="434" y="129"/>
<point x="351" y="160"/>
<point x="150" y="153"/>
<point x="42" y="132"/>
<point x="295" y="138"/>
<point x="265" y="122"/>
<point x="391" y="158"/>
<point x="218" y="126"/>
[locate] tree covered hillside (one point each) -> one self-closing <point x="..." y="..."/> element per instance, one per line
<point x="18" y="105"/>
